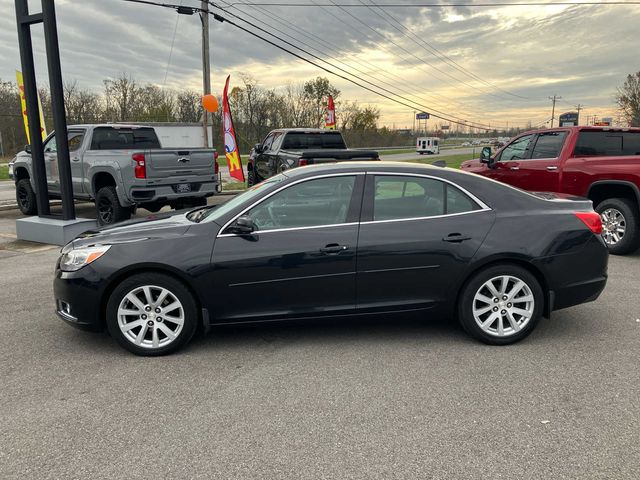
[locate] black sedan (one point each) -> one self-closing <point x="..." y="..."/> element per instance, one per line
<point x="334" y="240"/>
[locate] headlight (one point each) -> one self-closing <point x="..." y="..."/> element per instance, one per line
<point x="75" y="259"/>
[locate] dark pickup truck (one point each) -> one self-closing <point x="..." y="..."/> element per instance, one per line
<point x="296" y="147"/>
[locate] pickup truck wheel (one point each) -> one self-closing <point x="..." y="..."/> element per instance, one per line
<point x="108" y="208"/>
<point x="26" y="197"/>
<point x="620" y="225"/>
<point x="251" y="178"/>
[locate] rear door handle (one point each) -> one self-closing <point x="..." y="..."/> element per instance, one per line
<point x="334" y="248"/>
<point x="551" y="168"/>
<point x="456" y="238"/>
<point x="75" y="159"/>
<point x="514" y="168"/>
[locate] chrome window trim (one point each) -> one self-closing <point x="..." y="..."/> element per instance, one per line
<point x="260" y="232"/>
<point x="328" y="175"/>
<point x="483" y="207"/>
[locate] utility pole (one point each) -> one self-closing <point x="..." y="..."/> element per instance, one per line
<point x="206" y="66"/>
<point x="578" y="108"/>
<point x="554" y="99"/>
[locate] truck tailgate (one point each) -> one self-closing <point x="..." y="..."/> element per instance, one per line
<point x="327" y="156"/>
<point x="169" y="163"/>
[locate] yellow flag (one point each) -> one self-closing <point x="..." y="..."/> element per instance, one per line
<point x="23" y="104"/>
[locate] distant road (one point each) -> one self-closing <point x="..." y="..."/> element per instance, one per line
<point x="401" y="157"/>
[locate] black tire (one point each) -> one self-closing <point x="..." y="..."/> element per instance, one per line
<point x="630" y="241"/>
<point x="251" y="178"/>
<point x="476" y="285"/>
<point x="108" y="208"/>
<point x="26" y="197"/>
<point x="177" y="290"/>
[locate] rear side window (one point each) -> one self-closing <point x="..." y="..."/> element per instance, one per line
<point x="609" y="144"/>
<point x="109" y="138"/>
<point x="548" y="145"/>
<point x="398" y="197"/>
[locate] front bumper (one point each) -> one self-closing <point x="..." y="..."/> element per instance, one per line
<point x="77" y="298"/>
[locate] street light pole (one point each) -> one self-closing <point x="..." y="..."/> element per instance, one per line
<point x="206" y="66"/>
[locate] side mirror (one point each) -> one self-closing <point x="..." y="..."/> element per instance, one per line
<point x="243" y="226"/>
<point x="485" y="157"/>
<point x="257" y="148"/>
<point x="27" y="148"/>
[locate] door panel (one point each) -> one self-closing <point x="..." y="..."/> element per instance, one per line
<point x="299" y="261"/>
<point x="408" y="264"/>
<point x="417" y="237"/>
<point x="284" y="274"/>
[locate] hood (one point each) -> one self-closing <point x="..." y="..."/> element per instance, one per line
<point x="163" y="225"/>
<point x="473" y="165"/>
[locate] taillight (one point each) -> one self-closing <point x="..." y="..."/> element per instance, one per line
<point x="302" y="162"/>
<point x="141" y="166"/>
<point x="216" y="167"/>
<point x="591" y="220"/>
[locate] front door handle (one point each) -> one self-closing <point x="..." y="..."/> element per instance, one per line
<point x="334" y="249"/>
<point x="75" y="159"/>
<point x="514" y="168"/>
<point x="456" y="238"/>
<point x="552" y="168"/>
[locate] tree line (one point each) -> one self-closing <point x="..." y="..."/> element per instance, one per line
<point x="256" y="110"/>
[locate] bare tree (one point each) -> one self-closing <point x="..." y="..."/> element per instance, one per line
<point x="628" y="98"/>
<point x="120" y="95"/>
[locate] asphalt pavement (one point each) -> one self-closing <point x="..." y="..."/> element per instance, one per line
<point x="389" y="398"/>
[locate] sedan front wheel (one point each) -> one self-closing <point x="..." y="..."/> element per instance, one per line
<point x="501" y="305"/>
<point x="151" y="314"/>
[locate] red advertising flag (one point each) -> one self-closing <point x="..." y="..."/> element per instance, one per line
<point x="330" y="121"/>
<point x="230" y="145"/>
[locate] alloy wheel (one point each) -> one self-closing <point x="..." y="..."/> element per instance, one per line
<point x="150" y="316"/>
<point x="105" y="210"/>
<point x="614" y="226"/>
<point x="503" y="306"/>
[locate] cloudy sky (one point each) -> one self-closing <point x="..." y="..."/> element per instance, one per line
<point x="488" y="65"/>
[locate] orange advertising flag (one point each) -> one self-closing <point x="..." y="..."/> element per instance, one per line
<point x="230" y="144"/>
<point x="330" y="121"/>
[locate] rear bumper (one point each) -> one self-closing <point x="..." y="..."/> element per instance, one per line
<point x="578" y="277"/>
<point x="155" y="193"/>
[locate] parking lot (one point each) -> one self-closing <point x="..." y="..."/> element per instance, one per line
<point x="397" y="397"/>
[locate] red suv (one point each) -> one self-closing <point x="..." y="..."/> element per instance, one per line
<point x="600" y="163"/>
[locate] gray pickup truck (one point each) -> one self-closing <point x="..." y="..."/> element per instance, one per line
<point x="121" y="167"/>
<point x="288" y="148"/>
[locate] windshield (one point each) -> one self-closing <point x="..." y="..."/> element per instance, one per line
<point x="215" y="213"/>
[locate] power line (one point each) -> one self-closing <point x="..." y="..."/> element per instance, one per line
<point x="435" y="52"/>
<point x="412" y="106"/>
<point x="428" y="108"/>
<point x="334" y="48"/>
<point x="443" y="5"/>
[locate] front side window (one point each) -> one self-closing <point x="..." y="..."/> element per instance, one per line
<point x="517" y="150"/>
<point x="75" y="140"/>
<point x="277" y="141"/>
<point x="323" y="201"/>
<point x="266" y="145"/>
<point x="398" y="197"/>
<point x="51" y="146"/>
<point x="548" y="145"/>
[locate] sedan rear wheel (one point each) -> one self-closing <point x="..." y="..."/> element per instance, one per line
<point x="501" y="304"/>
<point x="151" y="314"/>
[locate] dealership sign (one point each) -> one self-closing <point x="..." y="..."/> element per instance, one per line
<point x="569" y="119"/>
<point x="422" y="116"/>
